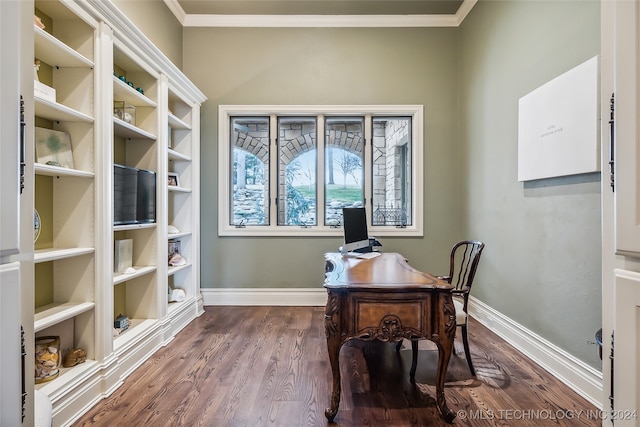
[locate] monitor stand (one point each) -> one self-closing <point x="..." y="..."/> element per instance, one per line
<point x="355" y="252"/>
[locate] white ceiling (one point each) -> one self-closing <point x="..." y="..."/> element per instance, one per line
<point x="320" y="13"/>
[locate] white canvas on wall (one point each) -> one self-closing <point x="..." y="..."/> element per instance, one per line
<point x="558" y="132"/>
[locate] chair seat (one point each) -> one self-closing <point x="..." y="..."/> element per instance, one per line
<point x="461" y="316"/>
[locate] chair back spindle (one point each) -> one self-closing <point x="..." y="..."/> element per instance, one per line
<point x="464" y="260"/>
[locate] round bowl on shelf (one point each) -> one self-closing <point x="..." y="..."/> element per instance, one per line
<point x="36" y="225"/>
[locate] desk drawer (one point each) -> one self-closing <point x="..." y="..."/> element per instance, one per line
<point x="390" y="317"/>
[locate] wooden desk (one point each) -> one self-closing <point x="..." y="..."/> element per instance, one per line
<point x="386" y="299"/>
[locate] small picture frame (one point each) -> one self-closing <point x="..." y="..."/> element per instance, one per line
<point x="173" y="180"/>
<point x="53" y="148"/>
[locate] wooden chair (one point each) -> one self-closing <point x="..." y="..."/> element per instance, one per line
<point x="463" y="264"/>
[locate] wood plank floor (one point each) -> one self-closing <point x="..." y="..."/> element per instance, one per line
<point x="268" y="366"/>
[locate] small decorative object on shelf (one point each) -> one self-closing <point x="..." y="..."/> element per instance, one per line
<point x="38" y="22"/>
<point x="121" y="323"/>
<point x="36" y="225"/>
<point x="173" y="180"/>
<point x="41" y="90"/>
<point x="47" y="358"/>
<point x="128" y="83"/>
<point x="124" y="112"/>
<point x="177" y="295"/>
<point x="36" y="68"/>
<point x="130" y="114"/>
<point x="123" y="256"/>
<point x="53" y="148"/>
<point x="174" y="247"/>
<point x="175" y="259"/>
<point x="74" y="357"/>
<point x="118" y="109"/>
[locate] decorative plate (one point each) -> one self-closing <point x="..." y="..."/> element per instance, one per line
<point x="36" y="225"/>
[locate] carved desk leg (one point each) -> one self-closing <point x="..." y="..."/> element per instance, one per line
<point x="333" y="331"/>
<point x="445" y="347"/>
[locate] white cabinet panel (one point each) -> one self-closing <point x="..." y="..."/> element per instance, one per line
<point x="626" y="353"/>
<point x="10" y="352"/>
<point x="627" y="135"/>
<point x="10" y="125"/>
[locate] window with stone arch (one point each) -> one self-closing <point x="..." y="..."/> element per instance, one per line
<point x="289" y="170"/>
<point x="250" y="170"/>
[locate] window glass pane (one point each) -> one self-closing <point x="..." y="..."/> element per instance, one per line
<point x="250" y="172"/>
<point x="391" y="190"/>
<point x="344" y="171"/>
<point x="297" y="175"/>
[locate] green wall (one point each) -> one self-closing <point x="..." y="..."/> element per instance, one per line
<point x="157" y="22"/>
<point x="326" y="66"/>
<point x="542" y="263"/>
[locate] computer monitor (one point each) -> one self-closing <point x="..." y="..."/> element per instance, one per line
<point x="356" y="236"/>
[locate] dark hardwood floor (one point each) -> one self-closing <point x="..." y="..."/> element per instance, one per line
<point x="268" y="366"/>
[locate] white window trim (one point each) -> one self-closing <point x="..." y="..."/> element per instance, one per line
<point x="224" y="165"/>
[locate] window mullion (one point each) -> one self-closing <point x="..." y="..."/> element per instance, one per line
<point x="368" y="173"/>
<point x="320" y="187"/>
<point x="273" y="170"/>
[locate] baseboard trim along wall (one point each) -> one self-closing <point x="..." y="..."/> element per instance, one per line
<point x="264" y="296"/>
<point x="582" y="378"/>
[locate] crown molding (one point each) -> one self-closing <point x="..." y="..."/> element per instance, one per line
<point x="177" y="10"/>
<point x="464" y="10"/>
<point x="314" y="21"/>
<point x="129" y="36"/>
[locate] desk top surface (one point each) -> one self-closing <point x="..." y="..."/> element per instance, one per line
<point x="388" y="271"/>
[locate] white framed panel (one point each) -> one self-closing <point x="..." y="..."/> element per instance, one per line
<point x="558" y="125"/>
<point x="10" y="372"/>
<point x="627" y="135"/>
<point x="626" y="392"/>
<point x="10" y="125"/>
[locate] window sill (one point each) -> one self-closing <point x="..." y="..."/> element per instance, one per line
<point x="295" y="231"/>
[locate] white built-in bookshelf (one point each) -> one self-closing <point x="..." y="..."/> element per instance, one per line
<point x="91" y="55"/>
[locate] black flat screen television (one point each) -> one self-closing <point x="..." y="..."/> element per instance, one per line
<point x="134" y="195"/>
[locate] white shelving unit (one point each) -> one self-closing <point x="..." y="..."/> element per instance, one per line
<point x="83" y="50"/>
<point x="183" y="200"/>
<point x="135" y="144"/>
<point x="65" y="254"/>
<point x="53" y="314"/>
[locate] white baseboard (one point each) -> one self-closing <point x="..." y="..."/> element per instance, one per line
<point x="580" y="377"/>
<point x="264" y="296"/>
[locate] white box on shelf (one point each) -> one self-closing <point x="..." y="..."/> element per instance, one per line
<point x="122" y="255"/>
<point x="43" y="91"/>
